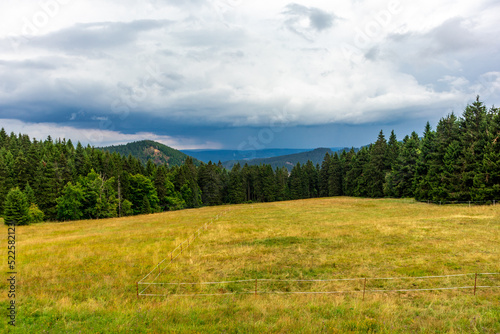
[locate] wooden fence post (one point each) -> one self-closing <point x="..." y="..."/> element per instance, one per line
<point x="475" y="284"/>
<point x="364" y="289"/>
<point x="137" y="288"/>
<point x="256" y="287"/>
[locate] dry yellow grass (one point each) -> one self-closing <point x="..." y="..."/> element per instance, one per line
<point x="80" y="276"/>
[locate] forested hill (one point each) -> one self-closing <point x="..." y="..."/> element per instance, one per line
<point x="289" y="161"/>
<point x="145" y="150"/>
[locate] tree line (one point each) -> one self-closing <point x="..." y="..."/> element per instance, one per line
<point x="54" y="180"/>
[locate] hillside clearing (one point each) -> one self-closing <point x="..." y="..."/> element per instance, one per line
<point x="81" y="276"/>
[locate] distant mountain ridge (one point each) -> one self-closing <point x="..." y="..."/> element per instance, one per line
<point x="148" y="149"/>
<point x="163" y="154"/>
<point x="316" y="156"/>
<point x="226" y="155"/>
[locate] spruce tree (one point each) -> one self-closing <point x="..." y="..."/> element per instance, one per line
<point x="421" y="185"/>
<point x="474" y="137"/>
<point x="16" y="208"/>
<point x="310" y="174"/>
<point x="82" y="163"/>
<point x="324" y="176"/>
<point x="266" y="184"/>
<point x="335" y="172"/>
<point x="6" y="182"/>
<point x="22" y="170"/>
<point x="4" y="139"/>
<point x="282" y="191"/>
<point x="377" y="167"/>
<point x="235" y="192"/>
<point x="297" y="183"/>
<point x="249" y="175"/>
<point x="445" y="179"/>
<point x="30" y="194"/>
<point x="160" y="180"/>
<point x="210" y="184"/>
<point x="403" y="171"/>
<point x="146" y="206"/>
<point x="393" y="148"/>
<point x="46" y="190"/>
<point x="186" y="175"/>
<point x="487" y="180"/>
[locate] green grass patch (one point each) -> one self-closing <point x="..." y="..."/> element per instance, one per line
<point x="80" y="277"/>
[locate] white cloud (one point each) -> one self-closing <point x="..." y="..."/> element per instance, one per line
<point x="236" y="62"/>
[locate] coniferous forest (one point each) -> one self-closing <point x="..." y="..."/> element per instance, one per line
<point x="457" y="161"/>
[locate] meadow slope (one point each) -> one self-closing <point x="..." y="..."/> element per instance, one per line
<point x="81" y="276"/>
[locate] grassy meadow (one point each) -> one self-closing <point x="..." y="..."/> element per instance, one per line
<point x="80" y="277"/>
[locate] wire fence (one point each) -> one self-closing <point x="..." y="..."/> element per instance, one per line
<point x="470" y="203"/>
<point x="174" y="254"/>
<point x="148" y="286"/>
<point x="359" y="285"/>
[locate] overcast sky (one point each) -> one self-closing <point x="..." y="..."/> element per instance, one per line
<point x="242" y="74"/>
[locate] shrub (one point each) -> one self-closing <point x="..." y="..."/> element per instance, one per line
<point x="35" y="215"/>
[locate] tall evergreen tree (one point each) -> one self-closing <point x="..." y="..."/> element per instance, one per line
<point x="474" y="135"/>
<point x="235" y="192"/>
<point x="324" y="176"/>
<point x="22" y="169"/>
<point x="377" y="167"/>
<point x="210" y="184"/>
<point x="403" y="171"/>
<point x="393" y="149"/>
<point x="335" y="172"/>
<point x="249" y="175"/>
<point x="6" y="182"/>
<point x="29" y="193"/>
<point x="310" y="175"/>
<point x="444" y="178"/>
<point x="421" y="185"/>
<point x="16" y="208"/>
<point x="297" y="183"/>
<point x="266" y="185"/>
<point x="186" y="182"/>
<point x="487" y="180"/>
<point x="82" y="163"/>
<point x="46" y="190"/>
<point x="282" y="191"/>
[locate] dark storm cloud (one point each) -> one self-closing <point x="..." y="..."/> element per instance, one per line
<point x="317" y="19"/>
<point x="223" y="70"/>
<point x="451" y="36"/>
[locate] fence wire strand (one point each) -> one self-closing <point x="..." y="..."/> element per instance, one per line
<point x="316" y="280"/>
